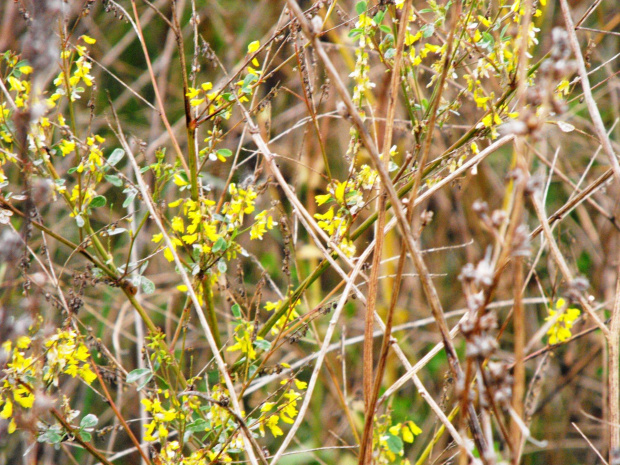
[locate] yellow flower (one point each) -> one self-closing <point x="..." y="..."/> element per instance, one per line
<point x="263" y="223"/>
<point x="191" y="92"/>
<point x="87" y="39"/>
<point x="347" y="247"/>
<point x="7" y="410"/>
<point x="272" y="424"/>
<point x="267" y="407"/>
<point x="177" y="224"/>
<point x="322" y="198"/>
<point x="254" y="46"/>
<point x="180" y="181"/>
<point x="561" y="329"/>
<point x="243" y="336"/>
<point x="66" y="147"/>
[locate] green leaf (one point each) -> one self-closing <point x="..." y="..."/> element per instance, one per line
<point x="144" y="382"/>
<point x="148" y="286"/>
<point x="220" y="244"/>
<point x="249" y="79"/>
<point x="113" y="179"/>
<point x="198" y="426"/>
<point x="262" y="344"/>
<point x="136" y="374"/>
<point x="115" y="231"/>
<point x="116" y="156"/>
<point x="50" y="437"/>
<point x="395" y="444"/>
<point x="224" y="153"/>
<point x="236" y="311"/>
<point x="353" y="33"/>
<point x="385" y="29"/>
<point x="361" y="7"/>
<point x="428" y="30"/>
<point x="71" y="170"/>
<point x="98" y="201"/>
<point x="89" y="421"/>
<point x="86" y="436"/>
<point x="129" y="199"/>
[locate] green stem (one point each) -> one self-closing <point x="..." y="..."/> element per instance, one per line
<point x="211" y="316"/>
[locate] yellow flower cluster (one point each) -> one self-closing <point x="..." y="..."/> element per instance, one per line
<point x="81" y="73"/>
<point x="202" y="228"/>
<point x="262" y="223"/>
<point x="335" y="223"/>
<point x="14" y="389"/>
<point x="561" y="329"/>
<point x="171" y="454"/>
<point x="290" y="315"/>
<point x="161" y="418"/>
<point x="245" y="340"/>
<point x="388" y="441"/>
<point x="285" y="409"/>
<point x="65" y="353"/>
<point x="241" y="203"/>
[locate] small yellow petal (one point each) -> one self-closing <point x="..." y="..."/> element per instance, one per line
<point x="88" y="40"/>
<point x="253" y="46"/>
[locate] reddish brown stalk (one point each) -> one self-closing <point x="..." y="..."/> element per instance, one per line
<point x="118" y="414"/>
<point x="370" y="393"/>
<point x="160" y="103"/>
<point x="76" y="436"/>
<point x="518" y="391"/>
<point x="614" y="376"/>
<point x="427" y="285"/>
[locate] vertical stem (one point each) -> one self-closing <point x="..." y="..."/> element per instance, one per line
<point x="211" y="317"/>
<point x="370" y="394"/>
<point x="614" y="377"/>
<point x="518" y="320"/>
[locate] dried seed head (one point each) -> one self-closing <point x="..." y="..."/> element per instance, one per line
<point x="560" y="48"/>
<point x="475" y="301"/>
<point x="316" y="24"/>
<point x="467" y="327"/>
<point x="514" y="127"/>
<point x="498" y="217"/>
<point x="535" y="184"/>
<point x="10" y="246"/>
<point x="577" y="287"/>
<point x="521" y="242"/>
<point x="488" y="321"/>
<point x="481" y="346"/>
<point x="480" y="207"/>
<point x="484" y="273"/>
<point x="468" y="273"/>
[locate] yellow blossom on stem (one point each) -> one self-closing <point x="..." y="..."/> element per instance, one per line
<point x="561" y="329"/>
